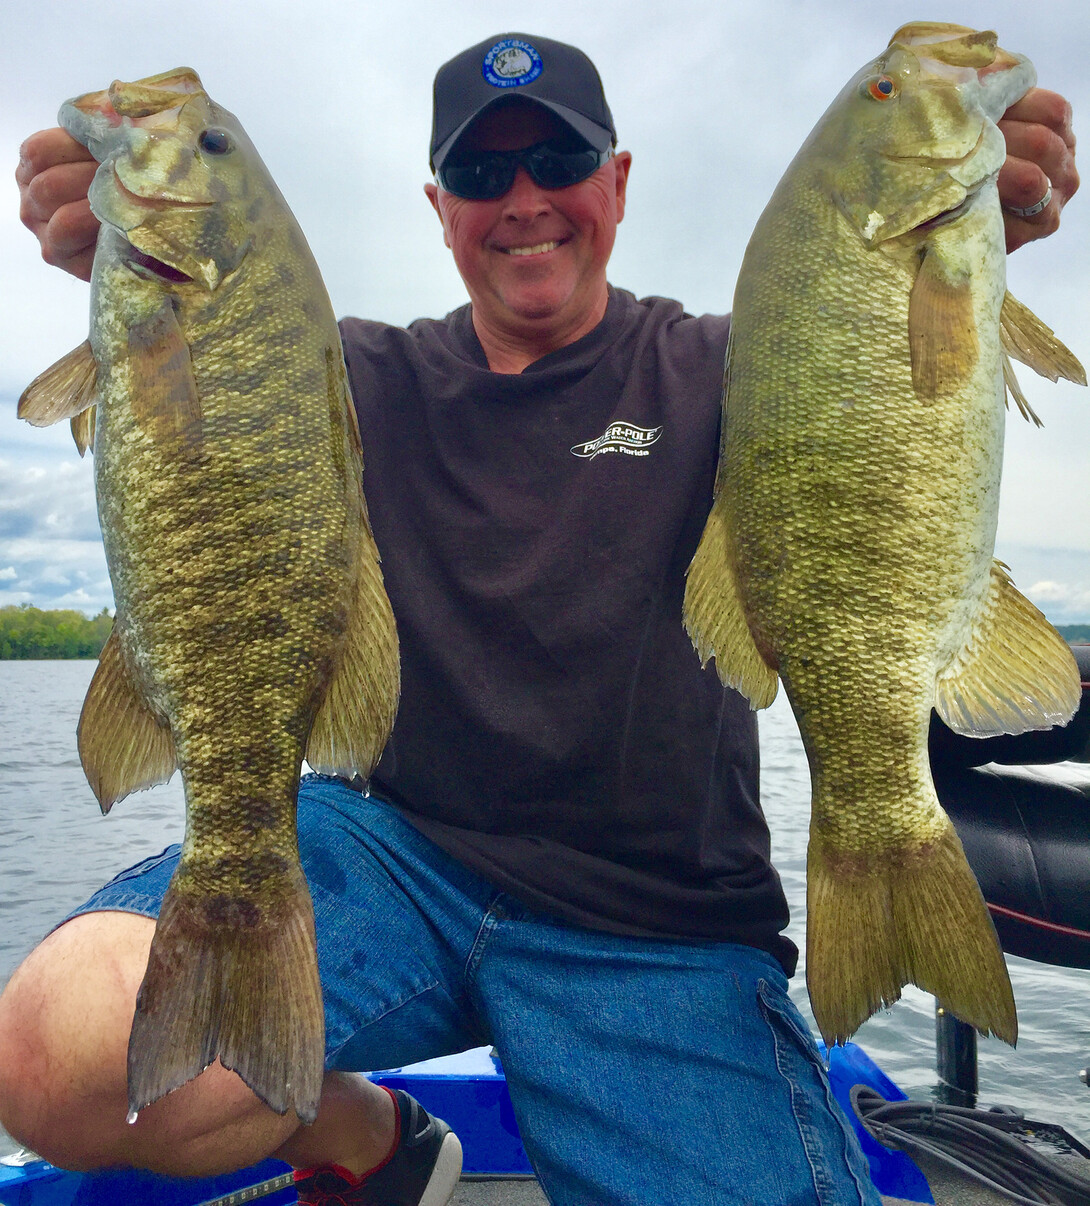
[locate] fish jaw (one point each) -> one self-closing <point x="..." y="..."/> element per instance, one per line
<point x="173" y="176"/>
<point x="921" y="119"/>
<point x="999" y="76"/>
<point x="145" y="130"/>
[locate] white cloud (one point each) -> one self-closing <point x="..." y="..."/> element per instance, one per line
<point x="8" y="574"/>
<point x="1063" y="602"/>
<point x="51" y="575"/>
<point x="1048" y="591"/>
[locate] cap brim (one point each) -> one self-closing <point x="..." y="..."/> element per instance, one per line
<point x="598" y="136"/>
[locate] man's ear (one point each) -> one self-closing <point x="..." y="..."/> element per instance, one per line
<point x="622" y="161"/>
<point x="432" y="193"/>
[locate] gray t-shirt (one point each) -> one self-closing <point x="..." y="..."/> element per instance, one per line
<point x="556" y="732"/>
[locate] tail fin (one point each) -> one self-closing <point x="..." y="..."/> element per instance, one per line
<point x="228" y="978"/>
<point x="912" y="917"/>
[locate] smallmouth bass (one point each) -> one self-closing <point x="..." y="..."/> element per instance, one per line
<point x="252" y="627"/>
<point x="849" y="551"/>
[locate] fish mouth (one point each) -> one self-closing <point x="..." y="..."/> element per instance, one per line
<point x="953" y="214"/>
<point x="147" y="265"/>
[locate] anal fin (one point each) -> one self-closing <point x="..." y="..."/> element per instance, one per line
<point x="715" y="619"/>
<point x="1014" y="674"/>
<point x="122" y="746"/>
<point x="357" y="714"/>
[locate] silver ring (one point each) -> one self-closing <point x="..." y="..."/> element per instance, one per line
<point x="1031" y="210"/>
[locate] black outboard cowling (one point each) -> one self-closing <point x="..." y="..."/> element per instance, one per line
<point x="1025" y="826"/>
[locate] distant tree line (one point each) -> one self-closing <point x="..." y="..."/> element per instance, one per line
<point x="29" y="633"/>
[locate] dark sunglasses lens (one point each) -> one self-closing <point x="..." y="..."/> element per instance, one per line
<point x="559" y="169"/>
<point x="489" y="174"/>
<point x="479" y="178"/>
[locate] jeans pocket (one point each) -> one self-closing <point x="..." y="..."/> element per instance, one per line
<point x="837" y="1163"/>
<point x="775" y="1003"/>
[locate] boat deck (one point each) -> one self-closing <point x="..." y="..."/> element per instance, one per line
<point x="470" y="1092"/>
<point x="947" y="1188"/>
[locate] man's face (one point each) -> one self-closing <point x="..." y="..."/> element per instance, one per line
<point x="535" y="258"/>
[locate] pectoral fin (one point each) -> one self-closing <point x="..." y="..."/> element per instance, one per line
<point x="122" y="746"/>
<point x="715" y="619"/>
<point x="66" y="390"/>
<point x="942" y="336"/>
<point x="1015" y="673"/>
<point x="1025" y="337"/>
<point x="357" y="714"/>
<point x="164" y="394"/>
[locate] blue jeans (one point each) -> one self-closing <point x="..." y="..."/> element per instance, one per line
<point x="642" y="1073"/>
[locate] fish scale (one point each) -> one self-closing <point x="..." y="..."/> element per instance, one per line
<point x="252" y="627"/>
<point x="848" y="553"/>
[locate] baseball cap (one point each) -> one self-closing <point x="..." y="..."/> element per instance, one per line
<point x="552" y="74"/>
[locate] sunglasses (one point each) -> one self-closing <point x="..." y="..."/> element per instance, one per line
<point x="485" y="175"/>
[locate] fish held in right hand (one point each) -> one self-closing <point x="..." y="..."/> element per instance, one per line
<point x="849" y="548"/>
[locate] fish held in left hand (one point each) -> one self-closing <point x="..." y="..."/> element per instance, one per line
<point x="849" y="547"/>
<point x="252" y="627"/>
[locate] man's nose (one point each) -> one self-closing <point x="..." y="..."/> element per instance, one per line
<point x="525" y="199"/>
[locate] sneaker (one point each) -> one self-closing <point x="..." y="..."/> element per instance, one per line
<point x="422" y="1169"/>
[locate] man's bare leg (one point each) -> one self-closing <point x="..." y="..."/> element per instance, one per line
<point x="64" y="1032"/>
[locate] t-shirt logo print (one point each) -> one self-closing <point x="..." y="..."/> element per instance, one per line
<point x="620" y="437"/>
<point x="511" y="63"/>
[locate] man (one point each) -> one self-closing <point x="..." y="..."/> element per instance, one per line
<point x="563" y="851"/>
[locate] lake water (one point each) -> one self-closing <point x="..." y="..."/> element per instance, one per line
<point x="56" y="848"/>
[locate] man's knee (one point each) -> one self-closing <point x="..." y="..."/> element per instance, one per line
<point x="64" y="1022"/>
<point x="65" y="1018"/>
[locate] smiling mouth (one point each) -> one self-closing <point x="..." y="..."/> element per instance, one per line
<point x="535" y="249"/>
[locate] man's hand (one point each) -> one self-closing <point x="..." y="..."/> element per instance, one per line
<point x="1040" y="155"/>
<point x="55" y="172"/>
<point x="53" y="175"/>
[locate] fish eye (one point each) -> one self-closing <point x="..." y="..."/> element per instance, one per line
<point x="215" y="142"/>
<point x="881" y="88"/>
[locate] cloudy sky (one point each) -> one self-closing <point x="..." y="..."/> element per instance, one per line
<point x="713" y="98"/>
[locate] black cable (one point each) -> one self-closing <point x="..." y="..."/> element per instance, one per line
<point x="1006" y="1162"/>
<point x="986" y="1146"/>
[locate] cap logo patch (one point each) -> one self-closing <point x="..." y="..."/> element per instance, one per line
<point x="511" y="63"/>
